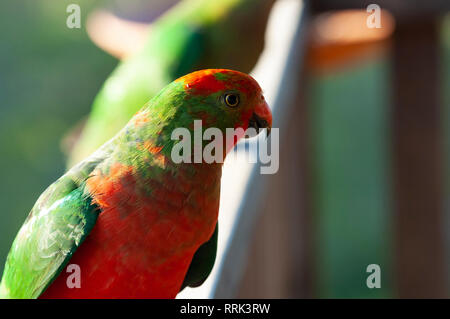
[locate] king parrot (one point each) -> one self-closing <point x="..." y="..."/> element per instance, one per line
<point x="192" y="35"/>
<point x="129" y="216"/>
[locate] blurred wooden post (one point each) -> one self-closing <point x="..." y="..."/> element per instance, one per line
<point x="280" y="262"/>
<point x="418" y="161"/>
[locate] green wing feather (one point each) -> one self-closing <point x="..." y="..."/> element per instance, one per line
<point x="202" y="263"/>
<point x="57" y="225"/>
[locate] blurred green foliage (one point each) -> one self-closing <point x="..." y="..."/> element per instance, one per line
<point x="49" y="75"/>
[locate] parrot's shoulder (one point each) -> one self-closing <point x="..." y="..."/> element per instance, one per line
<point x="73" y="179"/>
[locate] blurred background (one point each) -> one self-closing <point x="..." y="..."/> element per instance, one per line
<point x="364" y="144"/>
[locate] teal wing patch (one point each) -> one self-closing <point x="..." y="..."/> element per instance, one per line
<point x="57" y="225"/>
<point x="202" y="263"/>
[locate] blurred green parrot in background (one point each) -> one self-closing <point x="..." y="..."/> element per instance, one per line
<point x="192" y="35"/>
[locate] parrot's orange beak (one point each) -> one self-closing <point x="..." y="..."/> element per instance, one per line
<point x="261" y="118"/>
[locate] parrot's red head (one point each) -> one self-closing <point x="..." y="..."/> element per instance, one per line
<point x="228" y="105"/>
<point x="228" y="99"/>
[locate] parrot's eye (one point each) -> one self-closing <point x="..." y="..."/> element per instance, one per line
<point x="231" y="100"/>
